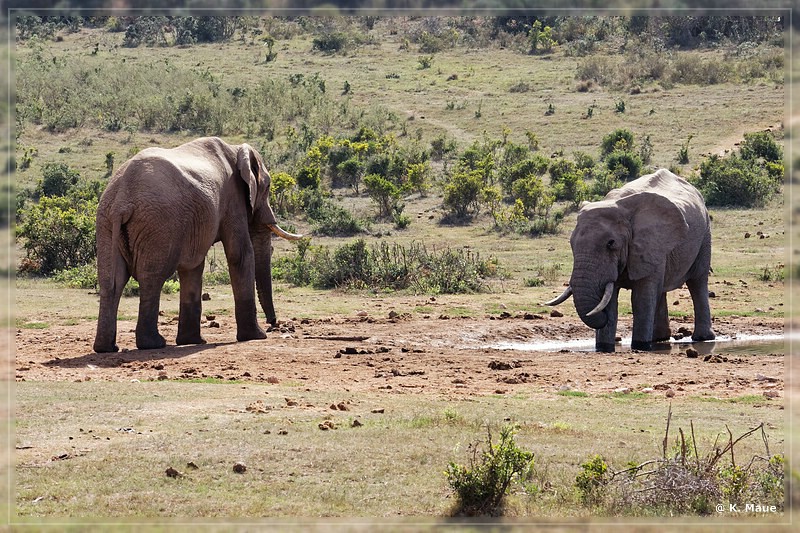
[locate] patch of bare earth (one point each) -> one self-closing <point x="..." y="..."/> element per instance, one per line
<point x="401" y="354"/>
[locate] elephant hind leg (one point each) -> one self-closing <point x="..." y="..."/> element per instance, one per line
<point x="661" y="331"/>
<point x="191" y="306"/>
<point x="147" y="336"/>
<point x="111" y="286"/>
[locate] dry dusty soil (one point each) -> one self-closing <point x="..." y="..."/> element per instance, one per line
<point x="432" y="354"/>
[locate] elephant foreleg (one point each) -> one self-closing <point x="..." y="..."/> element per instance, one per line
<point x="605" y="337"/>
<point x="661" y="331"/>
<point x="644" y="300"/>
<point x="191" y="306"/>
<point x="698" y="288"/>
<point x="242" y="271"/>
<point x="147" y="336"/>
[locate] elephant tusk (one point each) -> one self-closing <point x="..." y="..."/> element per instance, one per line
<point x="564" y="296"/>
<point x="277" y="230"/>
<point x="604" y="302"/>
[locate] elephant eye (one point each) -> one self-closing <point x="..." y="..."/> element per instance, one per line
<point x="610" y="244"/>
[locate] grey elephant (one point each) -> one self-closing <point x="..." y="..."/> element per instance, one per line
<point x="161" y="212"/>
<point x="650" y="236"/>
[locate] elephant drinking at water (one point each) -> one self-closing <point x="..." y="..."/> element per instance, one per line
<point x="650" y="236"/>
<point x="161" y="212"/>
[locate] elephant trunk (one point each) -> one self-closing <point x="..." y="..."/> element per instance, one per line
<point x="590" y="303"/>
<point x="262" y="248"/>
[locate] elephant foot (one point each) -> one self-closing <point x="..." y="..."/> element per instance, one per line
<point x="150" y="342"/>
<point x="703" y="336"/>
<point x="605" y="347"/>
<point x="182" y="340"/>
<point x="645" y="346"/>
<point x="101" y="348"/>
<point x="251" y="335"/>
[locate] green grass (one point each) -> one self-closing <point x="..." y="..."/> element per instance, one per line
<point x="393" y="464"/>
<point x="294" y="469"/>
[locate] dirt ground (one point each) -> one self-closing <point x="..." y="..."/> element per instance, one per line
<point x="437" y="355"/>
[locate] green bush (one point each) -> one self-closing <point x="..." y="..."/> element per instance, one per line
<point x="462" y="193"/>
<point x="619" y="139"/>
<point x="58" y="233"/>
<point x="735" y="182"/>
<point x="384" y="192"/>
<point x="624" y="164"/>
<point x="57" y="179"/>
<point x="79" y="277"/>
<point x="592" y="480"/>
<point x="761" y="145"/>
<point x="482" y="485"/>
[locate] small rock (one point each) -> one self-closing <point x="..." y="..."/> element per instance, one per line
<point x="206" y="297"/>
<point x="747" y="235"/>
<point x="326" y="425"/>
<point x="691" y="353"/>
<point x="211" y="317"/>
<point x="171" y="472"/>
<point x="362" y="313"/>
<point x="379" y="411"/>
<point x="192" y="465"/>
<point x="213" y="324"/>
<point x="648" y="390"/>
<point x="240" y="468"/>
<point x="771" y="394"/>
<point x="393" y="314"/>
<point x="622" y="390"/>
<point x="670" y="393"/>
<point x="342" y="406"/>
<point x="555" y="313"/>
<point x="290" y="402"/>
<point x="162" y="375"/>
<point x="356" y="424"/>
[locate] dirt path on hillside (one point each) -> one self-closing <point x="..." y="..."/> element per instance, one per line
<point x="450" y="357"/>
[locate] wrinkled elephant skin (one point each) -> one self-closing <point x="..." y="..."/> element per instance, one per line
<point x="650" y="236"/>
<point x="161" y="212"/>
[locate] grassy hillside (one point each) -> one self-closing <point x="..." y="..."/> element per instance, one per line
<point x="416" y="81"/>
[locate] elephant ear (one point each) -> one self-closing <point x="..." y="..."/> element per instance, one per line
<point x="248" y="166"/>
<point x="657" y="227"/>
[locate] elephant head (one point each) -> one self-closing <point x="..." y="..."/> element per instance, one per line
<point x="617" y="242"/>
<point x="262" y="223"/>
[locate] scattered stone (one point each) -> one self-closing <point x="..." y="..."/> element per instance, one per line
<point x="213" y="324"/>
<point x="257" y="406"/>
<point x="710" y="358"/>
<point x="622" y="390"/>
<point x="762" y="377"/>
<point x="342" y="406"/>
<point x="532" y="316"/>
<point x="206" y="297"/>
<point x="211" y="317"/>
<point x="747" y="235"/>
<point x="192" y="465"/>
<point x="362" y="313"/>
<point x="691" y="353"/>
<point x="670" y="393"/>
<point x="393" y="314"/>
<point x="326" y="425"/>
<point x="350" y="350"/>
<point x="712" y="294"/>
<point x="356" y="424"/>
<point x="171" y="472"/>
<point x="771" y="394"/>
<point x="162" y="375"/>
<point x="379" y="411"/>
<point x="240" y="468"/>
<point x="648" y="390"/>
<point x="290" y="402"/>
<point x="504" y="365"/>
<point x="555" y="313"/>
<point x="283" y="432"/>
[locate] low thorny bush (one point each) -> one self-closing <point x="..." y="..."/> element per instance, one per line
<point x="385" y="266"/>
<point x="684" y="482"/>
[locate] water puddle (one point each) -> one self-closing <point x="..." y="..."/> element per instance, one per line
<point x="741" y="344"/>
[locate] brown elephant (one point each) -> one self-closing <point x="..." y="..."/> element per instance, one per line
<point x="650" y="236"/>
<point x="161" y="212"/>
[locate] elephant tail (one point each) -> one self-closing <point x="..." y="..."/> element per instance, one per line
<point x="120" y="257"/>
